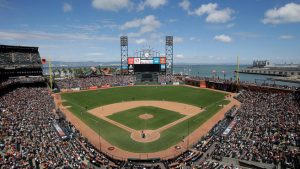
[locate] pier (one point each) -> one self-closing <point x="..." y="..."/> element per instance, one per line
<point x="280" y="71"/>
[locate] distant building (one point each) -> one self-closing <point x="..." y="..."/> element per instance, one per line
<point x="265" y="67"/>
<point x="260" y="63"/>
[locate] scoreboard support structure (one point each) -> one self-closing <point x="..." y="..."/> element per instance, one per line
<point x="169" y="54"/>
<point x="124" y="54"/>
<point x="147" y="60"/>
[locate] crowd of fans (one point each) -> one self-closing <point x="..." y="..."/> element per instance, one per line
<point x="266" y="133"/>
<point x="94" y="81"/>
<point x="167" y="79"/>
<point x="11" y="58"/>
<point x="29" y="139"/>
<point x="87" y="82"/>
<point x="267" y="130"/>
<point x="22" y="80"/>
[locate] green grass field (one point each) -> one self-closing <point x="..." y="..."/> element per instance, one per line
<point x="161" y="117"/>
<point x="208" y="99"/>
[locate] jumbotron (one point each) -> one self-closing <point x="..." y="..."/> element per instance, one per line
<point x="140" y="115"/>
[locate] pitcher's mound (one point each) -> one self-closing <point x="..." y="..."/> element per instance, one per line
<point x="146" y="116"/>
<point x="149" y="136"/>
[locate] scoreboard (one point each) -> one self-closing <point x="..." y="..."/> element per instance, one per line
<point x="146" y="64"/>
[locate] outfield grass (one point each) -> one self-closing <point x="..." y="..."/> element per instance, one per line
<point x="208" y="99"/>
<point x="161" y="117"/>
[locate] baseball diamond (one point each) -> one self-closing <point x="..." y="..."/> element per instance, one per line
<point x="177" y="111"/>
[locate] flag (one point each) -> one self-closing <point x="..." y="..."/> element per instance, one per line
<point x="44" y="61"/>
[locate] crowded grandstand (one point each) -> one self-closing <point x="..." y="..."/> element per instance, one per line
<point x="263" y="133"/>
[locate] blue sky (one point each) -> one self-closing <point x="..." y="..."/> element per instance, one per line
<point x="207" y="32"/>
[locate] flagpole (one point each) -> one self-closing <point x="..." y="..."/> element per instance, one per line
<point x="50" y="75"/>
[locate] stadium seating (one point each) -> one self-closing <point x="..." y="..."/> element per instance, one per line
<point x="266" y="132"/>
<point x="17" y="55"/>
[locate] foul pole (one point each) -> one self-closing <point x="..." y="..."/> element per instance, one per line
<point x="237" y="70"/>
<point x="50" y="74"/>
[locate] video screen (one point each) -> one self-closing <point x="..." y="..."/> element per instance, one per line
<point x="147" y="68"/>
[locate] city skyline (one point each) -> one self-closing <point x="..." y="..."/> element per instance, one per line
<point x="205" y="32"/>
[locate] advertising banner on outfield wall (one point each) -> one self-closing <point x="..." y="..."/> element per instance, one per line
<point x="105" y="86"/>
<point x="137" y="60"/>
<point x="93" y="88"/>
<point x="150" y="61"/>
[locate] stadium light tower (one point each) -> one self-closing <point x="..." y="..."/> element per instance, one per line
<point x="169" y="54"/>
<point x="124" y="53"/>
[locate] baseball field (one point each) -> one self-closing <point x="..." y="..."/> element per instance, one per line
<point x="170" y="113"/>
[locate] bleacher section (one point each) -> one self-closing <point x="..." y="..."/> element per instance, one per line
<point x="19" y="61"/>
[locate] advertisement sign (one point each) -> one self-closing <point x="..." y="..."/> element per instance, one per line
<point x="124" y="67"/>
<point x="137" y="61"/>
<point x="130" y="60"/>
<point x="130" y="67"/>
<point x="162" y="60"/>
<point x="105" y="86"/>
<point x="156" y="61"/>
<point x="147" y="61"/>
<point x="75" y="89"/>
<point x="93" y="87"/>
<point x="162" y="67"/>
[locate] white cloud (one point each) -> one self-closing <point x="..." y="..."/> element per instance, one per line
<point x="151" y="3"/>
<point x="177" y="39"/>
<point x="67" y="7"/>
<point x="111" y="5"/>
<point x="286" y="37"/>
<point x="131" y="24"/>
<point x="220" y="16"/>
<point x="8" y="35"/>
<point x="289" y="13"/>
<point x="147" y="24"/>
<point x="194" y="39"/>
<point x="180" y="56"/>
<point x="214" y="15"/>
<point x="206" y="9"/>
<point x="223" y="38"/>
<point x="140" y="41"/>
<point x="185" y="4"/>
